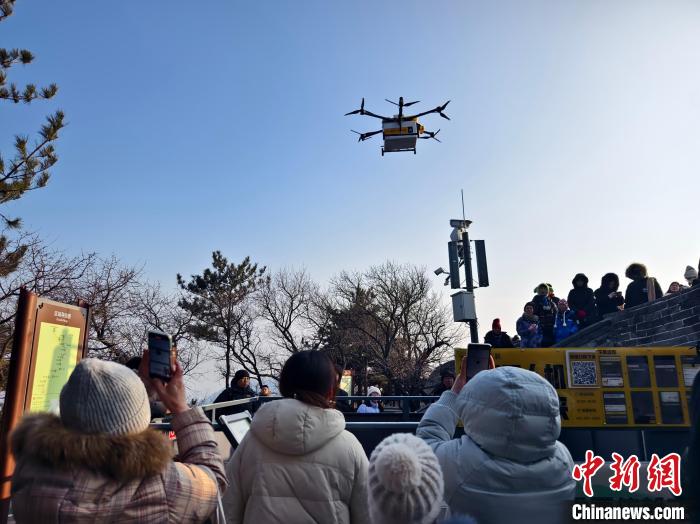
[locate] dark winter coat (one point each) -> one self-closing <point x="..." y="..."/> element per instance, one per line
<point x="342" y="405"/>
<point x="604" y="302"/>
<point x="582" y="299"/>
<point x="235" y="392"/>
<point x="545" y="309"/>
<point x="637" y="291"/>
<point x="564" y="325"/>
<point x="529" y="339"/>
<point x="498" y="340"/>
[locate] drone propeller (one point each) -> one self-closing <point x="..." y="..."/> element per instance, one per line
<point x="439" y="110"/>
<point x="431" y="135"/>
<point x="361" y="110"/>
<point x="405" y="105"/>
<point x="442" y="108"/>
<point x="365" y="136"/>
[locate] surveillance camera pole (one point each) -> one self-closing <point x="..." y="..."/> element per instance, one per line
<point x="473" y="329"/>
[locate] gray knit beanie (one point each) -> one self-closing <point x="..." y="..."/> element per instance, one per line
<point x="405" y="481"/>
<point x="104" y="397"/>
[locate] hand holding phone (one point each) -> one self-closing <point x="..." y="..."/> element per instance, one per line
<point x="478" y="359"/>
<point x="161" y="355"/>
<point x="172" y="393"/>
<point x="465" y="374"/>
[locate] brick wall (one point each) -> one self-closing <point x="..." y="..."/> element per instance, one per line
<point x="669" y="321"/>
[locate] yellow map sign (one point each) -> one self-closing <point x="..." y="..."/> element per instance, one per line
<point x="57" y="355"/>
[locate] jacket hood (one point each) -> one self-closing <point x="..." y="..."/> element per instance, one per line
<point x="511" y="413"/>
<point x="580" y="276"/>
<point x="607" y="279"/>
<point x="44" y="438"/>
<point x="635" y="271"/>
<point x="291" y="427"/>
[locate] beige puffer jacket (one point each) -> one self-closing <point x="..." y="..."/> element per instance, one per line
<point x="297" y="465"/>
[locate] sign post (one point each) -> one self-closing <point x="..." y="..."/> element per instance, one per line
<point x="50" y="339"/>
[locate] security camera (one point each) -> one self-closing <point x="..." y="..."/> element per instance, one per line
<point x="440" y="271"/>
<point x="460" y="224"/>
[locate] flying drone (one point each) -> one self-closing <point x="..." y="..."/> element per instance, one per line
<point x="400" y="132"/>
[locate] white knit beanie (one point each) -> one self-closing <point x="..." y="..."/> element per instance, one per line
<point x="405" y="481"/>
<point x="104" y="397"/>
<point x="690" y="273"/>
<point x="374" y="389"/>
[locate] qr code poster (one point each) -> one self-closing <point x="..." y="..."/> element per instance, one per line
<point x="583" y="369"/>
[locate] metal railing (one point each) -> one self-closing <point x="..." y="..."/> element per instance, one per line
<point x="393" y="404"/>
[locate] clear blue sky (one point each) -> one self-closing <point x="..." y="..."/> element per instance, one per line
<point x="575" y="133"/>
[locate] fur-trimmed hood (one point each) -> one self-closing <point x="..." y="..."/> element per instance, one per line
<point x="45" y="439"/>
<point x="636" y="271"/>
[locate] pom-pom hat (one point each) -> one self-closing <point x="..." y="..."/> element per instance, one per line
<point x="405" y="481"/>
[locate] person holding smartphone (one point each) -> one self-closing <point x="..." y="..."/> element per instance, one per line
<point x="100" y="461"/>
<point x="508" y="466"/>
<point x="608" y="298"/>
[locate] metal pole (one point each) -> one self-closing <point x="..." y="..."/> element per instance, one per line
<point x="16" y="392"/>
<point x="466" y="247"/>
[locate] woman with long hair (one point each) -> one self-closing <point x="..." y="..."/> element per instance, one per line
<point x="298" y="463"/>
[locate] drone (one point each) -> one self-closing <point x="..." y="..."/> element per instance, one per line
<point x="400" y="132"/>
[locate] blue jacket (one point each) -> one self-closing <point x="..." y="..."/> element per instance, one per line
<point x="564" y="325"/>
<point x="529" y="339"/>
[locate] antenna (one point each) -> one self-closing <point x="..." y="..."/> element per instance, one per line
<point x="464" y="217"/>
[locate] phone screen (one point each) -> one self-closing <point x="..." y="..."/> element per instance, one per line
<point x="159" y="355"/>
<point x="477" y="359"/>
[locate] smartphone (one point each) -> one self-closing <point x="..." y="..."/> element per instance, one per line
<point x="478" y="356"/>
<point x="160" y="355"/>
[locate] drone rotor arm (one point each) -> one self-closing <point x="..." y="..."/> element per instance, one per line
<point x="369" y="113"/>
<point x="418" y="115"/>
<point x="365" y="136"/>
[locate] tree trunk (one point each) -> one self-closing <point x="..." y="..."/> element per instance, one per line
<point x="228" y="362"/>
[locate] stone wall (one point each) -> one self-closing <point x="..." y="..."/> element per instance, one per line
<point x="673" y="320"/>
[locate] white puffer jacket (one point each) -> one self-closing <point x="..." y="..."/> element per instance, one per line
<point x="297" y="464"/>
<point x="509" y="466"/>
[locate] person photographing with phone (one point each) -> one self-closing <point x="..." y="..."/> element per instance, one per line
<point x="508" y="466"/>
<point x="100" y="462"/>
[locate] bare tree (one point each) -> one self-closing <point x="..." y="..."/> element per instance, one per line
<point x="45" y="271"/>
<point x="109" y="287"/>
<point x="390" y="317"/>
<point x="156" y="309"/>
<point x="291" y="304"/>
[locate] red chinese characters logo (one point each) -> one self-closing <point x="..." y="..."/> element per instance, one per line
<point x="624" y="473"/>
<point x="586" y="471"/>
<point x="661" y="473"/>
<point x="665" y="473"/>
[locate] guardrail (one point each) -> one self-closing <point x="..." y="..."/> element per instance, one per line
<point x="394" y="404"/>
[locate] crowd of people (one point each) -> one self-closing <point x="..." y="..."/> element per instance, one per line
<point x="99" y="461"/>
<point x="548" y="319"/>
